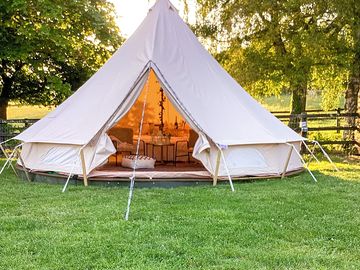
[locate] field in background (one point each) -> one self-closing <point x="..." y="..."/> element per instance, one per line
<point x="274" y="103"/>
<point x="282" y="102"/>
<point x="27" y="112"/>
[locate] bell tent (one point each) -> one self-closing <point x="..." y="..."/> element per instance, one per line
<point x="74" y="138"/>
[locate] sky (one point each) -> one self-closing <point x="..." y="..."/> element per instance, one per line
<point x="130" y="13"/>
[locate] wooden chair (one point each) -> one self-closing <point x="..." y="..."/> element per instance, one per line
<point x="193" y="136"/>
<point x="123" y="140"/>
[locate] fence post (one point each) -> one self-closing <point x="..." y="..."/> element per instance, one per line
<point x="304" y="128"/>
<point x="303" y="124"/>
<point x="338" y="111"/>
<point x="26" y="123"/>
<point x="2" y="131"/>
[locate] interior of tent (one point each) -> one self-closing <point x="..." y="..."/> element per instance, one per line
<point x="166" y="139"/>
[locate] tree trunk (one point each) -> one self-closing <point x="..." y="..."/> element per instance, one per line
<point x="352" y="92"/>
<point x="4" y="102"/>
<point x="351" y="106"/>
<point x="298" y="103"/>
<point x="4" y="97"/>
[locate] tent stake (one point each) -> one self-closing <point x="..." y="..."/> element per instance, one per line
<point x="287" y="163"/>
<point x="302" y="160"/>
<point x="83" y="167"/>
<point x="7" y="156"/>
<point x="215" y="177"/>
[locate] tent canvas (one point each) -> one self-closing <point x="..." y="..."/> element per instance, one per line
<point x="225" y="116"/>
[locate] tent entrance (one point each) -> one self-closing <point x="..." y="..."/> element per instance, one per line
<point x="166" y="137"/>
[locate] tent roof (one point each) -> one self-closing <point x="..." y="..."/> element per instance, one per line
<point x="222" y="109"/>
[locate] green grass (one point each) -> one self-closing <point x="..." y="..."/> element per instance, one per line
<point x="275" y="224"/>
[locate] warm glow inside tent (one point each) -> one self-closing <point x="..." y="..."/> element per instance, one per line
<point x="199" y="95"/>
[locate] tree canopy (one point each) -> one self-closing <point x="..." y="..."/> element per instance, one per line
<point x="50" y="47"/>
<point x="272" y="46"/>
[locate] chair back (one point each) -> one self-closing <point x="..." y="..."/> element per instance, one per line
<point x="123" y="134"/>
<point x="193" y="136"/>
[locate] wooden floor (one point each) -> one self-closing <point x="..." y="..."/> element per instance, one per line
<point x="182" y="170"/>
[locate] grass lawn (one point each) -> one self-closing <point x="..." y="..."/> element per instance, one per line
<point x="276" y="224"/>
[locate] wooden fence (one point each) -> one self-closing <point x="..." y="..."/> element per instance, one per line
<point x="318" y="121"/>
<point x="12" y="127"/>
<point x="310" y="121"/>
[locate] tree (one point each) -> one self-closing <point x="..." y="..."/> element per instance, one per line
<point x="270" y="46"/>
<point x="48" y="48"/>
<point x="348" y="25"/>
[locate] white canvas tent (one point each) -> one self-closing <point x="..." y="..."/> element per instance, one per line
<point x="254" y="142"/>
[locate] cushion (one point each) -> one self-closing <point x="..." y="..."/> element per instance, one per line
<point x="143" y="162"/>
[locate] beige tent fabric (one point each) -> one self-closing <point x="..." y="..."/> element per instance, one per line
<point x="200" y="90"/>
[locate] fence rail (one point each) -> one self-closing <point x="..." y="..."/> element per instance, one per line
<point x="12" y="127"/>
<point x="320" y="121"/>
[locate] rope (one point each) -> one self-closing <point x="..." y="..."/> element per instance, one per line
<point x="326" y="155"/>
<point x="72" y="170"/>
<point x="312" y="155"/>
<point x="132" y="178"/>
<point x="303" y="161"/>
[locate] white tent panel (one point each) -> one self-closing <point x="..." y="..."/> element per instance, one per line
<point x="65" y="158"/>
<point x="250" y="160"/>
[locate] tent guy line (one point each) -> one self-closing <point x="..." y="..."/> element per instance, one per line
<point x="132" y="178"/>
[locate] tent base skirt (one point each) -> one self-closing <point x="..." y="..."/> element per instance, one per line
<point x="189" y="178"/>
